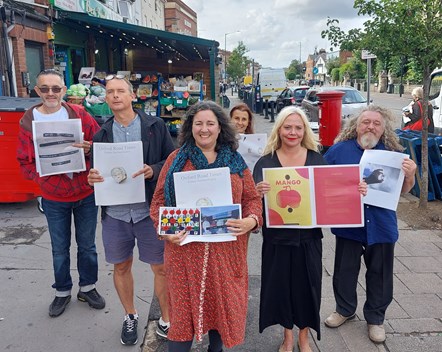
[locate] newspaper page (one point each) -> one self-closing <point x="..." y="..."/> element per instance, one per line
<point x="54" y="150"/>
<point x="313" y="196"/>
<point x="382" y="170"/>
<point x="117" y="162"/>
<point x="202" y="224"/>
<point x="251" y="147"/>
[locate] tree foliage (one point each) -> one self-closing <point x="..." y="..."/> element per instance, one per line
<point x="294" y="70"/>
<point x="398" y="28"/>
<point x="236" y="66"/>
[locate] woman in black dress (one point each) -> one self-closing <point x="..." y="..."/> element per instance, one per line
<point x="291" y="258"/>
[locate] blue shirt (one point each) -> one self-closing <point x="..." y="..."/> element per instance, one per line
<point x="380" y="223"/>
<point x="128" y="212"/>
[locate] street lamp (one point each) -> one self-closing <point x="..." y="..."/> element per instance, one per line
<point x="225" y="53"/>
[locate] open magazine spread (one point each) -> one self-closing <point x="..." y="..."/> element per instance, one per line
<point x="54" y="150"/>
<point x="313" y="196"/>
<point x="202" y="224"/>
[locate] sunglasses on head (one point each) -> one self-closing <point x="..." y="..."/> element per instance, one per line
<point x="109" y="77"/>
<point x="47" y="89"/>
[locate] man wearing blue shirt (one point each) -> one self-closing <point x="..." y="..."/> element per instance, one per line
<point x="375" y="241"/>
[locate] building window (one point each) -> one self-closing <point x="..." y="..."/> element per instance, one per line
<point x="187" y="24"/>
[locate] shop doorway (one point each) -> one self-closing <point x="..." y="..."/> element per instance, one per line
<point x="77" y="62"/>
<point x="34" y="64"/>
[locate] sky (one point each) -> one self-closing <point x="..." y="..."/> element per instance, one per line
<point x="275" y="31"/>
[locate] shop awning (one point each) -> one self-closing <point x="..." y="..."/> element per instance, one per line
<point x="185" y="47"/>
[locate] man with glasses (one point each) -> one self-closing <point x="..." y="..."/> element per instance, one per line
<point x="64" y="195"/>
<point x="123" y="225"/>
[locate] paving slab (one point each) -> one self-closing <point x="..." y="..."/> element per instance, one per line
<point x="421" y="305"/>
<point x="414" y="344"/>
<point x="421" y="282"/>
<point x="421" y="264"/>
<point x="416" y="326"/>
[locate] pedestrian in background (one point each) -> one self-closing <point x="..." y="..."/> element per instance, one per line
<point x="417" y="112"/>
<point x="208" y="282"/>
<point x="242" y="118"/>
<point x="123" y="225"/>
<point x="375" y="241"/>
<point x="291" y="269"/>
<point x="64" y="195"/>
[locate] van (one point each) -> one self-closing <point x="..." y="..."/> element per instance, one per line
<point x="272" y="82"/>
<point x="435" y="98"/>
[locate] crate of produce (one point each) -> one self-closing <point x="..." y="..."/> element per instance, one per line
<point x="166" y="101"/>
<point x="180" y="103"/>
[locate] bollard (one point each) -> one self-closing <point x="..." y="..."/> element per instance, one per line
<point x="266" y="112"/>
<point x="272" y="111"/>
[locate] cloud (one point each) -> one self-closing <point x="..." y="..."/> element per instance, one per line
<point x="272" y="29"/>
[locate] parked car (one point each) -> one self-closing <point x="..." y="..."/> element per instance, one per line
<point x="352" y="103"/>
<point x="291" y="96"/>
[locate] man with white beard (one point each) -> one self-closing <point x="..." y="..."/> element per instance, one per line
<point x="375" y="241"/>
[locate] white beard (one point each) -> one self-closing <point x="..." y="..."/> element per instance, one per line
<point x="368" y="140"/>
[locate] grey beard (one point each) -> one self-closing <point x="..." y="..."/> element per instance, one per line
<point x="368" y="141"/>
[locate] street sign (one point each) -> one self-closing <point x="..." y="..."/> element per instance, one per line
<point x="367" y="55"/>
<point x="315" y="70"/>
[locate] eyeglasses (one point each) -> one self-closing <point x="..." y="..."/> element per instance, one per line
<point x="47" y="89"/>
<point x="109" y="77"/>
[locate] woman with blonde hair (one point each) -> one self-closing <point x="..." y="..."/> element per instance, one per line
<point x="291" y="258"/>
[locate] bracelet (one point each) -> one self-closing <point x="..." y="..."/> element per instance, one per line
<point x="253" y="216"/>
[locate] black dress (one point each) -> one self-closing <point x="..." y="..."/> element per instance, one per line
<point x="291" y="270"/>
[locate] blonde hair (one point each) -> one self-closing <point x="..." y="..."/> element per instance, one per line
<point x="309" y="141"/>
<point x="389" y="137"/>
<point x="418" y="92"/>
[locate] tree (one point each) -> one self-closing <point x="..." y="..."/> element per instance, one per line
<point x="294" y="70"/>
<point x="236" y="66"/>
<point x="399" y="28"/>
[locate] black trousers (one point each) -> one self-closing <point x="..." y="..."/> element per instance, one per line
<point x="378" y="259"/>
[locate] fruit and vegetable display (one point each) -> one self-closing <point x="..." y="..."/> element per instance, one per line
<point x="77" y="90"/>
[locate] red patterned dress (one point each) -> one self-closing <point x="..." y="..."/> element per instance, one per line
<point x="208" y="282"/>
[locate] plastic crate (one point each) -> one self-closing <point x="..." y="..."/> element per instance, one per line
<point x="180" y="103"/>
<point x="166" y="101"/>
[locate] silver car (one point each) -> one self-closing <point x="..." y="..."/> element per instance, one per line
<point x="352" y="103"/>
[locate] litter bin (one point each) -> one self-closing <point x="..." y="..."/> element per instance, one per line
<point x="14" y="187"/>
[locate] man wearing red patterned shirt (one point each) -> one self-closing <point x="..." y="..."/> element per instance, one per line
<point x="64" y="195"/>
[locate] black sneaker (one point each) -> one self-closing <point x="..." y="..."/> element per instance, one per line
<point x="129" y="335"/>
<point x="93" y="298"/>
<point x="58" y="305"/>
<point x="162" y="330"/>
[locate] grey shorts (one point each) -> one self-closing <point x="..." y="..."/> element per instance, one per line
<point x="119" y="240"/>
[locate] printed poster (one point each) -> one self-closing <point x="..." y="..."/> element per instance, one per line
<point x="382" y="171"/>
<point x="117" y="162"/>
<point x="313" y="196"/>
<point x="203" y="187"/>
<point x="251" y="147"/>
<point x="203" y="224"/>
<point x="54" y="150"/>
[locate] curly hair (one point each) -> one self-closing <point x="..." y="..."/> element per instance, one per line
<point x="227" y="135"/>
<point x="389" y="137"/>
<point x="309" y="141"/>
<point x="244" y="108"/>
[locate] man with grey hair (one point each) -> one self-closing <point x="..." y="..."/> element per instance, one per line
<point x="64" y="195"/>
<point x="375" y="241"/>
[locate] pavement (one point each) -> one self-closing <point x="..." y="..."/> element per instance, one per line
<point x="413" y="321"/>
<point x="414" y="318"/>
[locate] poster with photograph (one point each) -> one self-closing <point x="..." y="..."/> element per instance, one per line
<point x="382" y="170"/>
<point x="251" y="147"/>
<point x="203" y="187"/>
<point x="117" y="162"/>
<point x="54" y="150"/>
<point x="313" y="196"/>
<point x="203" y="224"/>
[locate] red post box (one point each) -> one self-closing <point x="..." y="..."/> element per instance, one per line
<point x="330" y="108"/>
<point x="14" y="187"/>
